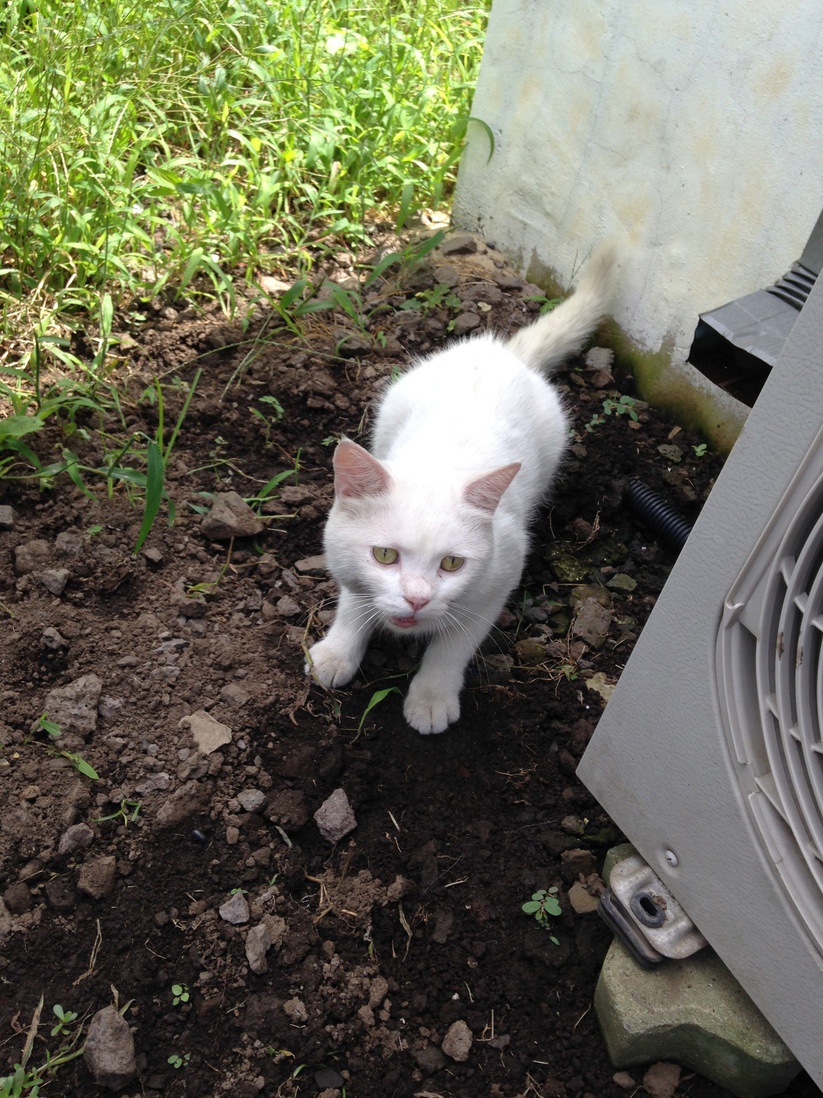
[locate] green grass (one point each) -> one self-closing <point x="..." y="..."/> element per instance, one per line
<point x="148" y="145"/>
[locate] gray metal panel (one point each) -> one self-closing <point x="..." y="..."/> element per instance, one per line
<point x="659" y="761"/>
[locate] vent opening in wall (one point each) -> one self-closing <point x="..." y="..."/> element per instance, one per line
<point x="737" y="344"/>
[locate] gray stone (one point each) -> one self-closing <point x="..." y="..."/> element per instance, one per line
<point x="466" y="322"/>
<point x="695" y="1013"/>
<point x="295" y="1011"/>
<point x="235" y="910"/>
<point x="235" y="694"/>
<point x="96" y="878"/>
<point x="459" y="244"/>
<point x="311" y="566"/>
<point x="252" y="799"/>
<point x="258" y="943"/>
<point x="208" y="733"/>
<point x="5" y="921"/>
<point x="592" y="623"/>
<point x="661" y="1080"/>
<point x="54" y="580"/>
<point x="186" y="801"/>
<point x="334" y="817"/>
<point x="7" y="517"/>
<point x="621" y="582"/>
<point x="286" y="607"/>
<point x="109" y="1050"/>
<point x="458" y="1041"/>
<point x="231" y="517"/>
<point x="74" y="707"/>
<point x="78" y="837"/>
<point x="32" y="556"/>
<point x="53" y="641"/>
<point x="599" y="358"/>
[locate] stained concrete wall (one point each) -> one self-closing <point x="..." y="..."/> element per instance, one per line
<point x="694" y="132"/>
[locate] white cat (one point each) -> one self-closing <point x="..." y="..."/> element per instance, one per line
<point x="428" y="534"/>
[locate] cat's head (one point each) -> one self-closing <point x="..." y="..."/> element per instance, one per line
<point x="414" y="547"/>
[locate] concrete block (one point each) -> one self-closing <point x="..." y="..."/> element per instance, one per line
<point x="614" y="855"/>
<point x="693" y="1012"/>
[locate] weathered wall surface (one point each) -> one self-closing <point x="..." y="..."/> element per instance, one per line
<point x="693" y="131"/>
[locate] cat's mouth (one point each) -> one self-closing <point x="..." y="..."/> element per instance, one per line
<point x="405" y="623"/>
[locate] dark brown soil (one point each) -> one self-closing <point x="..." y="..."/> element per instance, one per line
<point x="412" y="922"/>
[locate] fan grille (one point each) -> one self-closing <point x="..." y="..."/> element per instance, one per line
<point x="770" y="674"/>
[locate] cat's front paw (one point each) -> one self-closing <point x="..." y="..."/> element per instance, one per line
<point x="429" y="711"/>
<point x="329" y="666"/>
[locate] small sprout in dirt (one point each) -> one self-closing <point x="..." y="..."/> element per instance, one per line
<point x="377" y="697"/>
<point x="80" y="765"/>
<point x="64" y="1019"/>
<point x="440" y="296"/>
<point x="180" y="994"/>
<point x="177" y="1061"/>
<point x="546" y="303"/>
<point x="625" y="406"/>
<point x="272" y="414"/>
<point x="50" y="727"/>
<point x="329" y="440"/>
<point x="700" y="449"/>
<point x="127" y="812"/>
<point x="544" y="905"/>
<point x="93" y="531"/>
<point x="239" y="892"/>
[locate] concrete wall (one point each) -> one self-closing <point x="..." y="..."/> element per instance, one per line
<point x="694" y="131"/>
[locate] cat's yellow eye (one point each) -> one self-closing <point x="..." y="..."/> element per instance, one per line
<point x="383" y="555"/>
<point x="452" y="564"/>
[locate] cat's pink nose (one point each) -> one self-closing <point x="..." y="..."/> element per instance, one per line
<point x="416" y="603"/>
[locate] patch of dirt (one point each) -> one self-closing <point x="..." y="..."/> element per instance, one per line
<point x="397" y="962"/>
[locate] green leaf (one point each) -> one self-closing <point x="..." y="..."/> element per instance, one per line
<point x="377" y="697"/>
<point x="154" y="491"/>
<point x="18" y="426"/>
<point x="80" y="764"/>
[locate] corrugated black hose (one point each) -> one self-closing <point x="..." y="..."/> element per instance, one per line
<point x="658" y="514"/>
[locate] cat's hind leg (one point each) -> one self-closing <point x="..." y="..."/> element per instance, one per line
<point x="334" y="660"/>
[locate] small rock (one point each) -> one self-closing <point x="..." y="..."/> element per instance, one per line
<point x="258" y="943"/>
<point x="466" y="322"/>
<point x="109" y="1050"/>
<point x="459" y="244"/>
<point x="599" y="358"/>
<point x="17" y="898"/>
<point x="32" y="556"/>
<point x="78" y="837"/>
<point x="621" y="582"/>
<point x="601" y="685"/>
<point x="186" y="801"/>
<point x="458" y="1041"/>
<point x="208" y="733"/>
<point x="592" y="623"/>
<point x="235" y="910"/>
<point x="252" y="799"/>
<point x="430" y="1059"/>
<point x="327" y="1078"/>
<point x="74" y="707"/>
<point x="530" y="651"/>
<point x="286" y="607"/>
<point x="271" y="285"/>
<point x="311" y="566"/>
<point x="52" y="640"/>
<point x="154" y="557"/>
<point x="55" y="580"/>
<point x="335" y="817"/>
<point x="623" y="1080"/>
<point x="5" y="922"/>
<point x="7" y="517"/>
<point x="581" y="899"/>
<point x="572" y="825"/>
<point x="671" y="453"/>
<point x="235" y="694"/>
<point x="96" y="878"/>
<point x="661" y="1080"/>
<point x="349" y="344"/>
<point x="230" y="517"/>
<point x="295" y="1010"/>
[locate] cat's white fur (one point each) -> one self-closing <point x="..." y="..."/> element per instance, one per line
<point x="465" y="447"/>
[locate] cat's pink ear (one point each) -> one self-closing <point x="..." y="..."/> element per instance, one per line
<point x="485" y="492"/>
<point x="357" y="473"/>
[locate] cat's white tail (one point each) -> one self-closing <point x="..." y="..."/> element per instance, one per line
<point x="563" y="331"/>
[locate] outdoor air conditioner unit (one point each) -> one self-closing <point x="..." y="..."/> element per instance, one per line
<point x="709" y="755"/>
